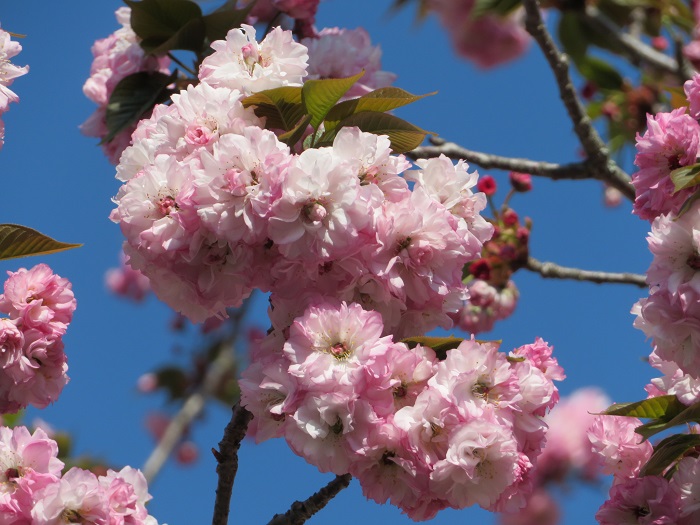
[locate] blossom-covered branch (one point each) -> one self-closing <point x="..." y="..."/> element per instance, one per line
<point x="636" y="49"/>
<point x="303" y="510"/>
<point x="571" y="171"/>
<point x="590" y="140"/>
<point x="554" y="271"/>
<point x="227" y="462"/>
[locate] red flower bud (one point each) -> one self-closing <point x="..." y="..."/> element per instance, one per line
<point x="487" y="184"/>
<point x="520" y="181"/>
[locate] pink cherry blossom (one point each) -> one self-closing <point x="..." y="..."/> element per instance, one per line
<point x="621" y="451"/>
<point x="671" y="141"/>
<point x="341" y="53"/>
<point x="649" y="500"/>
<point x="241" y="63"/>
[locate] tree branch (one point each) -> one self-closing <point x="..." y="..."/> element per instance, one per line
<point x="635" y="48"/>
<point x="302" y="511"/>
<point x="572" y="171"/>
<point x="591" y="142"/>
<point x="554" y="271"/>
<point x="227" y="462"/>
<point x="191" y="408"/>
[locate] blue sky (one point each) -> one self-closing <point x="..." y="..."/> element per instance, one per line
<point x="57" y="181"/>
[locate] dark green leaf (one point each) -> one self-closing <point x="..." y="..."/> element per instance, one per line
<point x="227" y="17"/>
<point x="599" y="72"/>
<point x="686" y="177"/>
<point x="495" y="7"/>
<point x="691" y="414"/>
<point x="661" y="407"/>
<point x="403" y="135"/>
<point x="293" y="136"/>
<point x="20" y="241"/>
<point x="439" y="344"/>
<point x="668" y="451"/>
<point x="281" y="106"/>
<point x="158" y="21"/>
<point x="133" y="97"/>
<point x="189" y="37"/>
<point x="380" y="100"/>
<point x="319" y="96"/>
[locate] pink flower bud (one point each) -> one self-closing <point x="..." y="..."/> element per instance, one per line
<point x="521" y="182"/>
<point x="510" y="218"/>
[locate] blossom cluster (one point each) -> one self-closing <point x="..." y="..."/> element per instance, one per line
<point x="8" y="72"/>
<point x="493" y="296"/>
<point x="114" y="58"/>
<point x="33" y="367"/>
<point x="670" y="316"/>
<point x="33" y="490"/>
<point x="423" y="433"/>
<point x="214" y="205"/>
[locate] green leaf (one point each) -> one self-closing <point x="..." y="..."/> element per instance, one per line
<point x="133" y="97"/>
<point x="600" y="73"/>
<point x="218" y="23"/>
<point x="573" y="35"/>
<point x="439" y="344"/>
<point x="688" y="204"/>
<point x="158" y="21"/>
<point x="669" y="450"/>
<point x="661" y="407"/>
<point x="20" y="241"/>
<point x="281" y="106"/>
<point x="380" y="100"/>
<point x="495" y="7"/>
<point x="691" y="414"/>
<point x="12" y="420"/>
<point x="403" y="135"/>
<point x="319" y="96"/>
<point x="686" y="177"/>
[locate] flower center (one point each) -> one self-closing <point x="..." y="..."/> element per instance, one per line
<point x="166" y="204"/>
<point x="339" y="351"/>
<point x="314" y="212"/>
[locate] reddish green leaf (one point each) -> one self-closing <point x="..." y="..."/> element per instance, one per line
<point x="380" y="100"/>
<point x="403" y="135"/>
<point x="319" y="96"/>
<point x="281" y="106"/>
<point x="20" y="241"/>
<point x="661" y="407"/>
<point x="686" y="177"/>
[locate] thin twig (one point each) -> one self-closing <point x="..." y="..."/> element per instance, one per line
<point x="303" y="510"/>
<point x="227" y="462"/>
<point x="572" y="171"/>
<point x="636" y="49"/>
<point x="554" y="271"/>
<point x="182" y="65"/>
<point x="592" y="144"/>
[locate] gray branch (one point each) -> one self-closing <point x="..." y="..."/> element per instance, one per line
<point x="592" y="144"/>
<point x="572" y="171"/>
<point x="635" y="49"/>
<point x="303" y="510"/>
<point x="554" y="271"/>
<point x="227" y="462"/>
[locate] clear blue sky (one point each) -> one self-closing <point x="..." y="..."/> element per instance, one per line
<point x="58" y="181"/>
